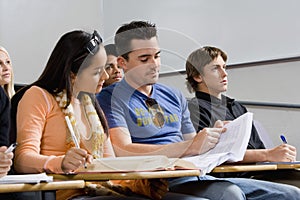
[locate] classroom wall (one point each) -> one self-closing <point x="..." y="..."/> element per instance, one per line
<point x="247" y="30"/>
<point x="29" y="30"/>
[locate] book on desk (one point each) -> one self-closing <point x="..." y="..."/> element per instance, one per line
<point x="136" y="164"/>
<point x="26" y="178"/>
<point x="231" y="147"/>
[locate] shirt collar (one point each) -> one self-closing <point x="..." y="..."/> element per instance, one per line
<point x="214" y="100"/>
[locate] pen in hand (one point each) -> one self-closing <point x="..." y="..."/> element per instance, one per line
<point x="73" y="135"/>
<point x="11" y="147"/>
<point x="283" y="139"/>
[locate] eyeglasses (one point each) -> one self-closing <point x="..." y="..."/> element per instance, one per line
<point x="92" y="45"/>
<point x="156" y="112"/>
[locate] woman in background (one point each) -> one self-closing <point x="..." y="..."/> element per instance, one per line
<point x="5" y="158"/>
<point x="5" y="82"/>
<point x="6" y="73"/>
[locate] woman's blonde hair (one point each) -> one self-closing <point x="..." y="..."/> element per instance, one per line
<point x="9" y="88"/>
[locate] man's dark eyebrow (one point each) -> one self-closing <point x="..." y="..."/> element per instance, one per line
<point x="146" y="55"/>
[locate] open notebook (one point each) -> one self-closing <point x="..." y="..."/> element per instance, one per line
<point x="26" y="178"/>
<point x="136" y="164"/>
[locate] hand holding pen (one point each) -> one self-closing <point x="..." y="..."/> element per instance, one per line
<point x="290" y="153"/>
<point x="74" y="157"/>
<point x="283" y="139"/>
<point x="6" y="156"/>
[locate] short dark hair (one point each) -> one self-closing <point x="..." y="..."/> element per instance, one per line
<point x="111" y="50"/>
<point x="197" y="60"/>
<point x="134" y="30"/>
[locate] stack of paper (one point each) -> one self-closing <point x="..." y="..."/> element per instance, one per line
<point x="231" y="146"/>
<point x="26" y="178"/>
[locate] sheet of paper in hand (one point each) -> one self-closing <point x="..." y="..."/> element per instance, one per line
<point x="231" y="146"/>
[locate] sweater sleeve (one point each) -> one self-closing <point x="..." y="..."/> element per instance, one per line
<point x="32" y="113"/>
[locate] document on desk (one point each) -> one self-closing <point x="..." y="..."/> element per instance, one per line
<point x="136" y="164"/>
<point x="26" y="178"/>
<point x="231" y="146"/>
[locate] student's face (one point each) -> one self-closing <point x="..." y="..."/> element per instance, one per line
<point x="113" y="70"/>
<point x="214" y="77"/>
<point x="5" y="68"/>
<point x="143" y="64"/>
<point x="91" y="79"/>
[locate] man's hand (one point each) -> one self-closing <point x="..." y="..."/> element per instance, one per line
<point x="282" y="153"/>
<point x="207" y="138"/>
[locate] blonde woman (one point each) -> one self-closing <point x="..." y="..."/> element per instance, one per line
<point x="6" y="73"/>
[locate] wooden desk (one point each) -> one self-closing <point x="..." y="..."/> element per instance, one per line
<point x="127" y="176"/>
<point x="288" y="166"/>
<point x="244" y="168"/>
<point x="55" y="185"/>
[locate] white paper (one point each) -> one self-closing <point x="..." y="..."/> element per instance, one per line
<point x="136" y="164"/>
<point x="26" y="178"/>
<point x="231" y="146"/>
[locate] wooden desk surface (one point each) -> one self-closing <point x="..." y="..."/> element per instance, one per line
<point x="55" y="185"/>
<point x="244" y="168"/>
<point x="127" y="175"/>
<point x="288" y="165"/>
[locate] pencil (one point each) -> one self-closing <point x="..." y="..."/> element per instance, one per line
<point x="74" y="138"/>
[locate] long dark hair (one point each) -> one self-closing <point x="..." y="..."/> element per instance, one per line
<point x="69" y="56"/>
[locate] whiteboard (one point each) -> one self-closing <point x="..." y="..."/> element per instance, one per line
<point x="248" y="31"/>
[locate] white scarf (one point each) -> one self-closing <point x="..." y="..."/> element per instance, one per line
<point x="97" y="135"/>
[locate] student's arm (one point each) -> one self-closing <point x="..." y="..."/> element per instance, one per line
<point x="123" y="145"/>
<point x="108" y="149"/>
<point x="194" y="144"/>
<point x="31" y="119"/>
<point x="281" y="153"/>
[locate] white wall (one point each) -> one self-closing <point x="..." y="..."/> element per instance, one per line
<point x="276" y="83"/>
<point x="248" y="30"/>
<point x="29" y="30"/>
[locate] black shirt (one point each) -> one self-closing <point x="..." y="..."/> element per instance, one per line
<point x="4" y="118"/>
<point x="206" y="110"/>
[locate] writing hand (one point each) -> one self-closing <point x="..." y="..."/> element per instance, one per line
<point x="282" y="153"/>
<point x="74" y="159"/>
<point x="5" y="161"/>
